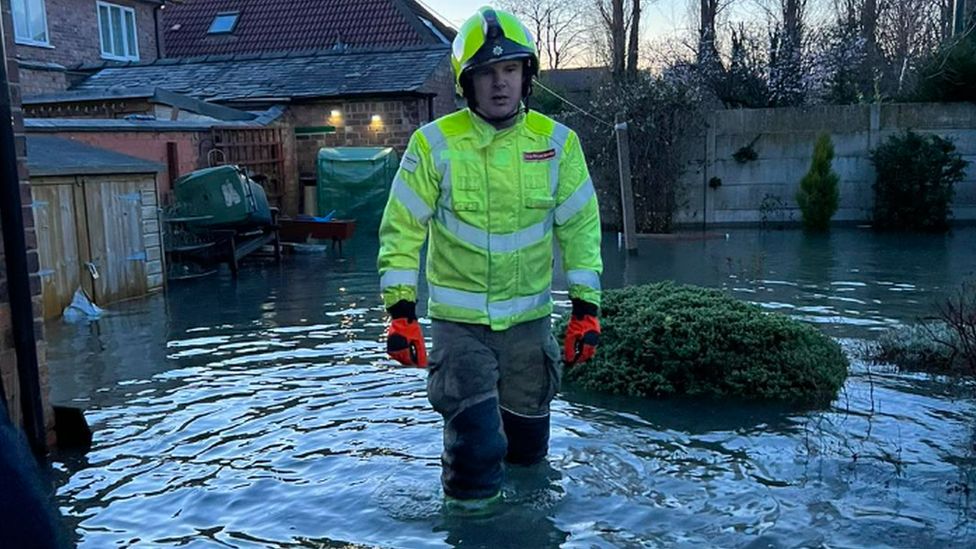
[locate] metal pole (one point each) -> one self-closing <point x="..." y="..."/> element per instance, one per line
<point x="626" y="186"/>
<point x="18" y="280"/>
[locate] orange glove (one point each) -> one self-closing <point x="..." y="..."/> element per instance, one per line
<point x="582" y="334"/>
<point x="404" y="340"/>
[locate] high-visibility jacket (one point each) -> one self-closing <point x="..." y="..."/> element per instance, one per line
<point x="490" y="201"/>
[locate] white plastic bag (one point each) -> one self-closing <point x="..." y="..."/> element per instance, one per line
<point x="81" y="308"/>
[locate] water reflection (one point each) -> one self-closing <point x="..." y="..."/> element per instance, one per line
<point x="852" y="282"/>
<point x="263" y="412"/>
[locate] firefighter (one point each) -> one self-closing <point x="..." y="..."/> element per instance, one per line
<point x="489" y="187"/>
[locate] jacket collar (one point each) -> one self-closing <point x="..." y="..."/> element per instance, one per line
<point x="484" y="133"/>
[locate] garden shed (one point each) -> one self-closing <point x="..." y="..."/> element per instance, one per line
<point x="97" y="223"/>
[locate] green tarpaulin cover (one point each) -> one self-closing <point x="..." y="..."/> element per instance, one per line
<point x="355" y="182"/>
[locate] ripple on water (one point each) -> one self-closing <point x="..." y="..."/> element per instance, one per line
<point x="263" y="412"/>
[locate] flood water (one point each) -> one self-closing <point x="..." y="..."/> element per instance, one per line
<point x="263" y="412"/>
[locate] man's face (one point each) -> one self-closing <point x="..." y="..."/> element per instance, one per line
<point x="498" y="88"/>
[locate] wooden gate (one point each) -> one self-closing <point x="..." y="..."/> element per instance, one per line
<point x="258" y="150"/>
<point x="99" y="233"/>
<point x="59" y="251"/>
<point x="114" y="211"/>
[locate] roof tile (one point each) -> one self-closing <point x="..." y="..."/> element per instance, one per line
<point x="324" y="75"/>
<point x="297" y="25"/>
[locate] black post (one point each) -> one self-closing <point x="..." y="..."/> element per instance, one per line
<point x="18" y="280"/>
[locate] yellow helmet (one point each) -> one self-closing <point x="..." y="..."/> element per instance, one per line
<point x="490" y="36"/>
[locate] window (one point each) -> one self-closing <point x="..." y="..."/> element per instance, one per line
<point x="223" y="23"/>
<point x="117" y="29"/>
<point x="30" y="22"/>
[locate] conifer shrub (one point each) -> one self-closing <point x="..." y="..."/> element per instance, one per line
<point x="661" y="340"/>
<point x="819" y="191"/>
<point x="915" y="182"/>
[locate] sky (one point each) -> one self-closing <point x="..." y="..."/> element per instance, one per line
<point x="665" y="26"/>
<point x="661" y="16"/>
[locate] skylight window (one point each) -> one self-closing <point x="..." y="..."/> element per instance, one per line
<point x="224" y="23"/>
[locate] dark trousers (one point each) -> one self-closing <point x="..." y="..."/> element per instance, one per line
<point x="493" y="390"/>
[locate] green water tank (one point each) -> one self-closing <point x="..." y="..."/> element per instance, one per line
<point x="225" y="194"/>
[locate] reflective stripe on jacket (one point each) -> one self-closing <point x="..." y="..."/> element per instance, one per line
<point x="491" y="201"/>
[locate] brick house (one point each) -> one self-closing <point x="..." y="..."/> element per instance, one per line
<point x="16" y="400"/>
<point x="331" y="99"/>
<point x="345" y="72"/>
<point x="54" y="36"/>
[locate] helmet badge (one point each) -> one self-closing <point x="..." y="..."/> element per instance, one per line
<point x="498" y="51"/>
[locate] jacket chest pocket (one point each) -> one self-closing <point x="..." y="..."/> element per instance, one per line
<point x="536" y="191"/>
<point x="536" y="184"/>
<point x="468" y="183"/>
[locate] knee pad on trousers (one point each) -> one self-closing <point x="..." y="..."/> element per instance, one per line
<point x="474" y="447"/>
<point x="528" y="438"/>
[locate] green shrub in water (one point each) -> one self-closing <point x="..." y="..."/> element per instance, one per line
<point x="947" y="346"/>
<point x="917" y="348"/>
<point x="915" y="178"/>
<point x="663" y="339"/>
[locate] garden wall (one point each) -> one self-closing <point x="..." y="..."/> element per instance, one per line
<point x="764" y="189"/>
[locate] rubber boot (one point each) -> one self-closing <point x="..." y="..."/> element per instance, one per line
<point x="474" y="447"/>
<point x="528" y="438"/>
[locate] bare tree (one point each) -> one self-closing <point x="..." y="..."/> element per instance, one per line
<point x="787" y="22"/>
<point x="613" y="21"/>
<point x="634" y="43"/>
<point x="907" y="32"/>
<point x="620" y="21"/>
<point x="838" y="53"/>
<point x="790" y="66"/>
<point x="870" y="11"/>
<point x="559" y="31"/>
<point x="707" y="47"/>
<point x="894" y="36"/>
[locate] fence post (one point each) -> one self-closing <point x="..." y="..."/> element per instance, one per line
<point x="626" y="185"/>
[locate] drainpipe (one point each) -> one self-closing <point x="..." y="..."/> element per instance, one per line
<point x="18" y="280"/>
<point x="159" y="45"/>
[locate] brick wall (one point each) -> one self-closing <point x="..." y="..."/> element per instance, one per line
<point x="73" y="35"/>
<point x="442" y="83"/>
<point x="150" y="146"/>
<point x="354" y="126"/>
<point x="8" y="358"/>
<point x="36" y="82"/>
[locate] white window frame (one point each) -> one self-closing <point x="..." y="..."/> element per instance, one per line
<point x="28" y="40"/>
<point x="128" y="56"/>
